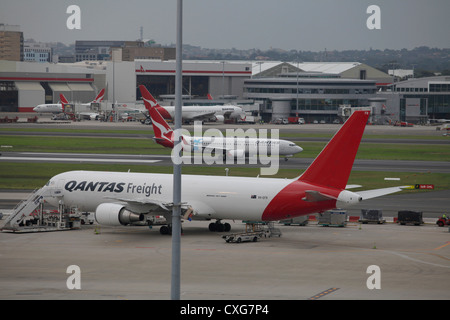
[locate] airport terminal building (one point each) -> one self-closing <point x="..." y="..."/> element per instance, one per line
<point x="23" y="85"/>
<point x="312" y="98"/>
<point x="272" y="90"/>
<point x="418" y="100"/>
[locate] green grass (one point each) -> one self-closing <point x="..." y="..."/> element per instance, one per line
<point x="371" y="151"/>
<point x="81" y="145"/>
<point x="379" y="151"/>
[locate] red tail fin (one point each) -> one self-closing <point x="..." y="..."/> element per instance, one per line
<point x="209" y="97"/>
<point x="149" y="101"/>
<point x="333" y="165"/>
<point x="100" y="96"/>
<point x="63" y="99"/>
<point x="163" y="133"/>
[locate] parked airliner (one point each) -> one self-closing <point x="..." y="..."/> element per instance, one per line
<point x="231" y="147"/>
<point x="59" y="107"/>
<point x="195" y="113"/>
<point x="122" y="198"/>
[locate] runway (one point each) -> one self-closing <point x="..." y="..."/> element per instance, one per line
<point x="166" y="160"/>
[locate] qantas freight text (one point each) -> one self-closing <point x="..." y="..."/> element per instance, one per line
<point x="148" y="190"/>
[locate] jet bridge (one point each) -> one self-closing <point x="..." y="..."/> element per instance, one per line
<point x="29" y="215"/>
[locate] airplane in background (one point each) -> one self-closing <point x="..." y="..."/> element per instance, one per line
<point x="123" y="198"/>
<point x="59" y="107"/>
<point x="232" y="147"/>
<point x="194" y="113"/>
<point x="90" y="115"/>
<point x="99" y="98"/>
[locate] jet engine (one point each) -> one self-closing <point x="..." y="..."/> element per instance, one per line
<point x="347" y="198"/>
<point x="112" y="214"/>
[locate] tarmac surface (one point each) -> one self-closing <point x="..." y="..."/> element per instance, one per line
<point x="123" y="263"/>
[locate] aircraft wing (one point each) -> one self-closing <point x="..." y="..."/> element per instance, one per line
<point x="369" y="194"/>
<point x="144" y="205"/>
<point x="190" y="209"/>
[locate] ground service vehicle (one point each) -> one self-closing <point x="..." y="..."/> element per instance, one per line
<point x="443" y="221"/>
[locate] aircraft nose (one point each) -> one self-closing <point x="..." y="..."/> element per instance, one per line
<point x="299" y="149"/>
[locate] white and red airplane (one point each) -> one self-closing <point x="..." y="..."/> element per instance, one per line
<point x="195" y="113"/>
<point x="99" y="98"/>
<point x="121" y="198"/>
<point x="231" y="147"/>
<point x="59" y="107"/>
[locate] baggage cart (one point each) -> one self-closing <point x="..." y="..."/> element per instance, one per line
<point x="333" y="218"/>
<point x="410" y="217"/>
<point x="371" y="215"/>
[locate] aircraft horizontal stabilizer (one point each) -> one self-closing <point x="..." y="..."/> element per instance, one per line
<point x="314" y="196"/>
<point x="369" y="194"/>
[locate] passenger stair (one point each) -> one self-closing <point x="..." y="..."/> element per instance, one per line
<point x="25" y="209"/>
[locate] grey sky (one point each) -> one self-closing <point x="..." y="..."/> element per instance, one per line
<point x="243" y="24"/>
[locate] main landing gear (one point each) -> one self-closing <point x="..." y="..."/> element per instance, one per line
<point x="167" y="229"/>
<point x="219" y="226"/>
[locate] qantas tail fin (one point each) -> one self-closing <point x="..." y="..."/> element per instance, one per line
<point x="63" y="99"/>
<point x="333" y="165"/>
<point x="149" y="101"/>
<point x="100" y="96"/>
<point x="163" y="133"/>
<point x="209" y="97"/>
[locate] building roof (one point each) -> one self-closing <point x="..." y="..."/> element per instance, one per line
<point x="325" y="67"/>
<point x="328" y="67"/>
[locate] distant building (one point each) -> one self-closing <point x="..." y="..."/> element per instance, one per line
<point x="402" y="73"/>
<point x="11" y="43"/>
<point x="150" y="53"/>
<point x="308" y="96"/>
<point x="312" y="90"/>
<point x="37" y="52"/>
<point x="92" y="50"/>
<point x="418" y="100"/>
<point x="347" y="70"/>
<point x="129" y="51"/>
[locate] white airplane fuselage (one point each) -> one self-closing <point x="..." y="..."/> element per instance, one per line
<point x="220" y="197"/>
<point x="193" y="112"/>
<point x="48" y="108"/>
<point x="250" y="146"/>
<point x="212" y="197"/>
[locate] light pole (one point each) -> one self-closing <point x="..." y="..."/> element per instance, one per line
<point x="176" y="211"/>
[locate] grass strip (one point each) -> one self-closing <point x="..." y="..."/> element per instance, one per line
<point x="369" y="151"/>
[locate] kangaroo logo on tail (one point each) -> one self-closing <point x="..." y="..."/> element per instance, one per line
<point x="100" y="96"/>
<point x="163" y="133"/>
